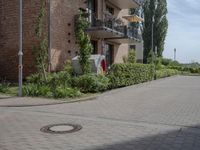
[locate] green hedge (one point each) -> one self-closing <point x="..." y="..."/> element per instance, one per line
<point x="166" y="73"/>
<point x="122" y="75"/>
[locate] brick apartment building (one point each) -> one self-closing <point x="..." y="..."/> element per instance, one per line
<point x="109" y="32"/>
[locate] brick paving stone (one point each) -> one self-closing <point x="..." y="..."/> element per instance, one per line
<point x="159" y="115"/>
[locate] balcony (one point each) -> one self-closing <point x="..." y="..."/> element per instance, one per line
<point x="112" y="29"/>
<point x="125" y="4"/>
<point x="131" y="35"/>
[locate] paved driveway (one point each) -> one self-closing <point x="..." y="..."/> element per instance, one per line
<point x="160" y="115"/>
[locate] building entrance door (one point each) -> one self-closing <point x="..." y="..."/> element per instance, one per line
<point x="109" y="53"/>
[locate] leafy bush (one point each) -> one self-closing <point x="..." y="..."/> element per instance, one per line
<point x="34" y="78"/>
<point x="63" y="92"/>
<point x="91" y="83"/>
<point x="186" y="69"/>
<point x="68" y="67"/>
<point x="122" y="75"/>
<point x="37" y="90"/>
<point x="53" y="79"/>
<point x="4" y="87"/>
<point x="60" y="78"/>
<point x="131" y="57"/>
<point x="46" y="91"/>
<point x="57" y="85"/>
<point x="166" y="62"/>
<point x="166" y="73"/>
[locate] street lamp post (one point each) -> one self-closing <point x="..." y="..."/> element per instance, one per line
<point x="20" y="53"/>
<point x="175" y="54"/>
<point x="152" y="35"/>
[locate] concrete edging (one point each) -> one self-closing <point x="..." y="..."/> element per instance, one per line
<point x="51" y="103"/>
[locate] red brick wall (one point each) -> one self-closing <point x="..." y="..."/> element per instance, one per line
<point x="8" y="42"/>
<point x="63" y="38"/>
<point x="9" y="33"/>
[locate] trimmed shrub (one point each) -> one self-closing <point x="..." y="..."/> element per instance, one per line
<point x="91" y="83"/>
<point x="166" y="73"/>
<point x="122" y="75"/>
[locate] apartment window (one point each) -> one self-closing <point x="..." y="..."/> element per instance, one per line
<point x="95" y="47"/>
<point x="132" y="47"/>
<point x="92" y="5"/>
<point x="93" y="9"/>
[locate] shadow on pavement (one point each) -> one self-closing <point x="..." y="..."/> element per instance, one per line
<point x="180" y="139"/>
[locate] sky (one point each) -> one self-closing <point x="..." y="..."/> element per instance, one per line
<point x="184" y="30"/>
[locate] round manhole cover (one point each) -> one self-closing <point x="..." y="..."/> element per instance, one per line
<point x="61" y="128"/>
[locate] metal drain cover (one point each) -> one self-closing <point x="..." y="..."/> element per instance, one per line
<point x="61" y="128"/>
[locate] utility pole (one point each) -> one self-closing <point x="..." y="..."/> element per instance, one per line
<point x="20" y="53"/>
<point x="175" y="54"/>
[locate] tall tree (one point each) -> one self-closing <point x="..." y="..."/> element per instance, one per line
<point x="160" y="24"/>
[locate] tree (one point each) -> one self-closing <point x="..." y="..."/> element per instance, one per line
<point x="83" y="39"/>
<point x="41" y="50"/>
<point x="160" y="24"/>
<point x="131" y="58"/>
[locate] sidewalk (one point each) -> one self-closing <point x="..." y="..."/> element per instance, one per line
<point x="8" y="101"/>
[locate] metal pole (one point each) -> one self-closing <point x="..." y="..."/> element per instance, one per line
<point x="20" y="53"/>
<point x="156" y="51"/>
<point x="175" y="54"/>
<point x="49" y="37"/>
<point x="155" y="61"/>
<point x="152" y="40"/>
<point x="152" y="34"/>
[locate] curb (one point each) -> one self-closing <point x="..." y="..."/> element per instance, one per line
<point x="55" y="103"/>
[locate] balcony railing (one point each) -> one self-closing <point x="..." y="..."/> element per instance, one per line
<point x="134" y="33"/>
<point x="109" y="22"/>
<point x="113" y="24"/>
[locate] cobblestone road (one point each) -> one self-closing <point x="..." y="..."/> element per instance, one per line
<point x="160" y="115"/>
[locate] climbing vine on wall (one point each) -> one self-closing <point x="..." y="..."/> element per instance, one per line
<point x="41" y="50"/>
<point x="81" y="24"/>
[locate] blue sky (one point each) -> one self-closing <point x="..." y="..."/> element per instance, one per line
<point x="184" y="30"/>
